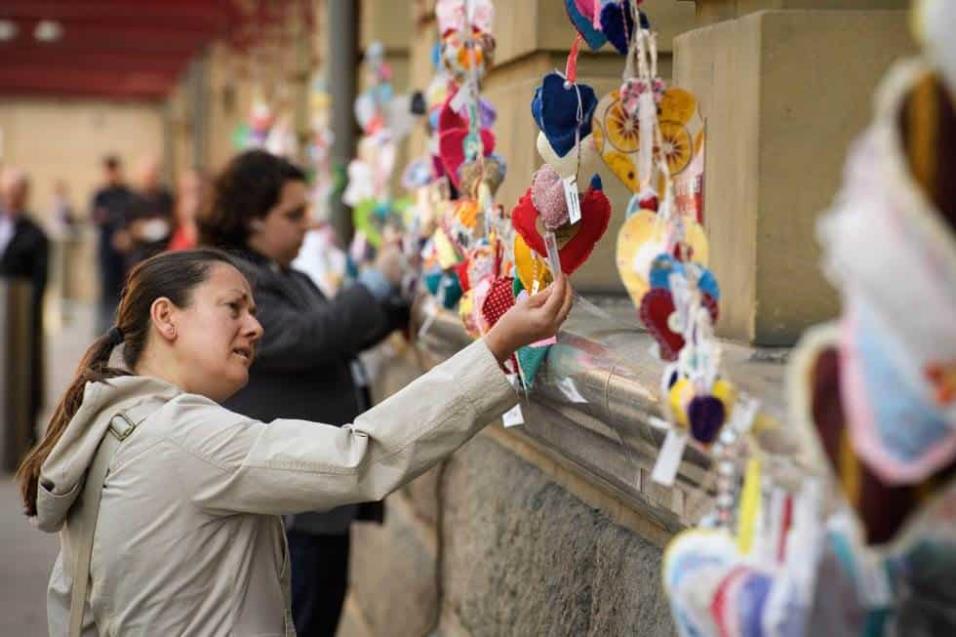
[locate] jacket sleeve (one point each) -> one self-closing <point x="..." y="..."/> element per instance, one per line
<point x="296" y="340"/>
<point x="293" y="466"/>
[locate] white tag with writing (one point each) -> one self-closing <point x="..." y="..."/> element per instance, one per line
<point x="431" y="313"/>
<point x="668" y="460"/>
<point x="513" y="417"/>
<point x="874" y="585"/>
<point x="572" y="199"/>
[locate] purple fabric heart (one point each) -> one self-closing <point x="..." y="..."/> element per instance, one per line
<point x="555" y="109"/>
<point x="594" y="38"/>
<point x="617" y="23"/>
<point x="706" y="415"/>
<point x="486" y="113"/>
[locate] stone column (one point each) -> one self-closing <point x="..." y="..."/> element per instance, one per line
<point x="783" y="93"/>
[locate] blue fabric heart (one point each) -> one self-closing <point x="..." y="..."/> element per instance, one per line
<point x="555" y="110"/>
<point x="617" y="23"/>
<point x="662" y="267"/>
<point x="530" y="360"/>
<point x="594" y="38"/>
<point x="708" y="284"/>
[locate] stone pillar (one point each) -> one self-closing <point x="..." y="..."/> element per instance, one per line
<point x="783" y="93"/>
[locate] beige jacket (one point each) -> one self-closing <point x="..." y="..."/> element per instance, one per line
<point x="188" y="538"/>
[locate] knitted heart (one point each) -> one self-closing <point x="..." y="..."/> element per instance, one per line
<point x="547" y="195"/>
<point x="656" y="308"/>
<point x="617" y="23"/>
<point x="500" y="299"/>
<point x="530" y="359"/>
<point x="595" y="216"/>
<point x="594" y="38"/>
<point x="555" y="110"/>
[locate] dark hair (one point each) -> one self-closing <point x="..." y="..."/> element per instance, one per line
<point x="248" y="188"/>
<point x="111" y="162"/>
<point x="173" y="275"/>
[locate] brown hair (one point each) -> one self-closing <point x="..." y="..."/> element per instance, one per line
<point x="173" y="275"/>
<point x="248" y="188"/>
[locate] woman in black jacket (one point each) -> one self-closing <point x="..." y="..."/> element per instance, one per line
<point x="306" y="365"/>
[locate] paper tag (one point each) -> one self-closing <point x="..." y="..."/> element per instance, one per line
<point x="461" y="97"/>
<point x="570" y="391"/>
<point x="669" y="457"/>
<point x="545" y="342"/>
<point x="554" y="258"/>
<point x="572" y="199"/>
<point x="875" y="588"/>
<point x="513" y="417"/>
<point x="431" y="313"/>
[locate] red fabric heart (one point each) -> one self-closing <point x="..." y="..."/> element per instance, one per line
<point x="656" y="307"/>
<point x="462" y="271"/>
<point x="595" y="216"/>
<point x="500" y="299"/>
<point x="451" y="149"/>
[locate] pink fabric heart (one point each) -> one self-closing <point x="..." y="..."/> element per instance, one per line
<point x="547" y="194"/>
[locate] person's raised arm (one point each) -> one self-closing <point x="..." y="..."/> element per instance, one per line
<point x="291" y="466"/>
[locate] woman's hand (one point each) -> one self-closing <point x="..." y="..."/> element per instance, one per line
<point x="531" y="319"/>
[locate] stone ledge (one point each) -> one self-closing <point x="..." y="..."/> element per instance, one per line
<point x="610" y="440"/>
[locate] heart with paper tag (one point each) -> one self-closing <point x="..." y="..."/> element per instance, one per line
<point x="575" y="241"/>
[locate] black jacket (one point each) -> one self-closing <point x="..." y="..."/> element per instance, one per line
<point x="27" y="257"/>
<point x="303" y="364"/>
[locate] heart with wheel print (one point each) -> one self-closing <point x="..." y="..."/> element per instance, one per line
<point x="575" y="242"/>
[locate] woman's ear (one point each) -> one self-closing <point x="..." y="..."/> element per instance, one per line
<point x="162" y="314"/>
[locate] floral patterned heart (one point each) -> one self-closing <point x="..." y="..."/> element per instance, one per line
<point x="583" y="236"/>
<point x="584" y="25"/>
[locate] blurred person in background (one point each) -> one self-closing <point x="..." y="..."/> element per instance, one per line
<point x="191" y="196"/>
<point x="306" y="365"/>
<point x="64" y="216"/>
<point x="110" y="211"/>
<point x="24" y="255"/>
<point x="151" y="219"/>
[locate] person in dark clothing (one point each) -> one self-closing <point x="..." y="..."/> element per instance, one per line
<point x="306" y="364"/>
<point x="110" y="211"/>
<point x="24" y="255"/>
<point x="151" y="216"/>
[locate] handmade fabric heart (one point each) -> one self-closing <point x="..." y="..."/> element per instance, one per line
<point x="463" y="58"/>
<point x="451" y="149"/>
<point x="584" y="24"/>
<point x="452" y="15"/>
<point x="500" y="299"/>
<point x="453" y="128"/>
<point x="530" y="360"/>
<point x="617" y="23"/>
<point x="529" y="267"/>
<point x="547" y="195"/>
<point x="656" y="309"/>
<point x="595" y="216"/>
<point x="583" y="161"/>
<point x="659" y="315"/>
<point x="643" y="238"/>
<point x="491" y="171"/>
<point x="555" y="108"/>
<point x="617" y="136"/>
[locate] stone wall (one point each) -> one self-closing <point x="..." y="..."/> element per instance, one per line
<point x="516" y="552"/>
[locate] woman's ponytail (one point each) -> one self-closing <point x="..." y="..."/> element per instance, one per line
<point x="94" y="367"/>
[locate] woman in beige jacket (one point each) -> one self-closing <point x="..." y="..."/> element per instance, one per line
<point x="170" y="502"/>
